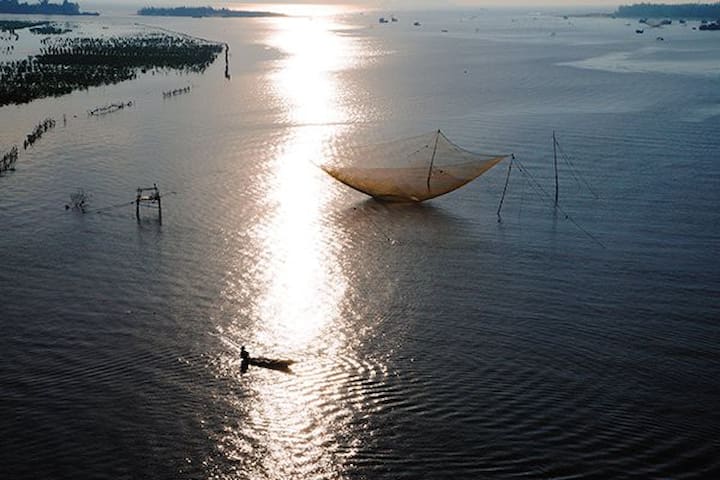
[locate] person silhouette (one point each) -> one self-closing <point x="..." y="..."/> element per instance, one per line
<point x="245" y="356"/>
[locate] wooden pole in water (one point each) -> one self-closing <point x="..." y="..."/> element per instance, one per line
<point x="557" y="189"/>
<point x="157" y="195"/>
<point x="137" y="204"/>
<point x="507" y="181"/>
<point x="432" y="160"/>
<point x="227" y="61"/>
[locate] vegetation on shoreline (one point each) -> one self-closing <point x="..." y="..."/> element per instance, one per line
<point x="154" y="50"/>
<point x="49" y="29"/>
<point x="26" y="80"/>
<point x="69" y="64"/>
<point x="202" y="12"/>
<point x="37" y="133"/>
<point x="686" y="10"/>
<point x="42" y="8"/>
<point x="12" y="25"/>
<point x="7" y="161"/>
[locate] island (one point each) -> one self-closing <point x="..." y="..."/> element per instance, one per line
<point x="199" y="12"/>
<point x="42" y="8"/>
<point x="684" y="10"/>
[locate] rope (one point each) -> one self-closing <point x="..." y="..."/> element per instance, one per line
<point x="380" y="231"/>
<point x="540" y="190"/>
<point x="124" y="204"/>
<point x="574" y="172"/>
<point x="110" y="207"/>
<point x="507" y="181"/>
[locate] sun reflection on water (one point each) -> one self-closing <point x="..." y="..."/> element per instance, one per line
<point x="305" y="282"/>
<point x="298" y="9"/>
<point x="305" y="285"/>
<point x="293" y="427"/>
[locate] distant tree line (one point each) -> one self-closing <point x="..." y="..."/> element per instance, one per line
<point x="44" y="7"/>
<point x="202" y="12"/>
<point x="686" y="10"/>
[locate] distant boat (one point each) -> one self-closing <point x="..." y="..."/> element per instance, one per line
<point x="416" y="24"/>
<point x="383" y="20"/>
<point x="710" y="26"/>
<point x="639" y="31"/>
<point x="393" y="19"/>
<point x="658" y="24"/>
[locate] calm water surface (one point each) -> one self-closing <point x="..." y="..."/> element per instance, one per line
<point x="431" y="341"/>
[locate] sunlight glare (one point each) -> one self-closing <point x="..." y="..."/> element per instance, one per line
<point x="305" y="281"/>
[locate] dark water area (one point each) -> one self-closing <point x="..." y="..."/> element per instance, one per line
<point x="431" y="340"/>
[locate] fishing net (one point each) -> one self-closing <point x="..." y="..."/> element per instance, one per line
<point x="411" y="169"/>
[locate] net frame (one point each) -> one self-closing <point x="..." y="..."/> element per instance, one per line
<point x="411" y="169"/>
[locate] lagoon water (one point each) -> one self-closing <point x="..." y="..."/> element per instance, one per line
<point x="431" y="341"/>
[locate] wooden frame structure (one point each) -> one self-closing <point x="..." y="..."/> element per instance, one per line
<point x="148" y="197"/>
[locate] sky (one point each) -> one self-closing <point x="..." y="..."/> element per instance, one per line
<point x="476" y="3"/>
<point x="606" y="6"/>
<point x="404" y="4"/>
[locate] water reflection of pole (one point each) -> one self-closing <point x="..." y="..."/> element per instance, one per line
<point x="556" y="170"/>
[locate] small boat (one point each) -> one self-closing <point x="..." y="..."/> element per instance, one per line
<point x="271" y="363"/>
<point x="710" y="26"/>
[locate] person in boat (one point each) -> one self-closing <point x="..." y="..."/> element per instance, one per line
<point x="245" y="359"/>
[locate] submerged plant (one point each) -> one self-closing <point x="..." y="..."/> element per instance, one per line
<point x="78" y="200"/>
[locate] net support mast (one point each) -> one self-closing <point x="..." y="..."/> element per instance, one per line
<point x="432" y="159"/>
<point x="557" y="188"/>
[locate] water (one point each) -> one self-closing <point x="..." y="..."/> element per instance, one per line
<point x="431" y="340"/>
